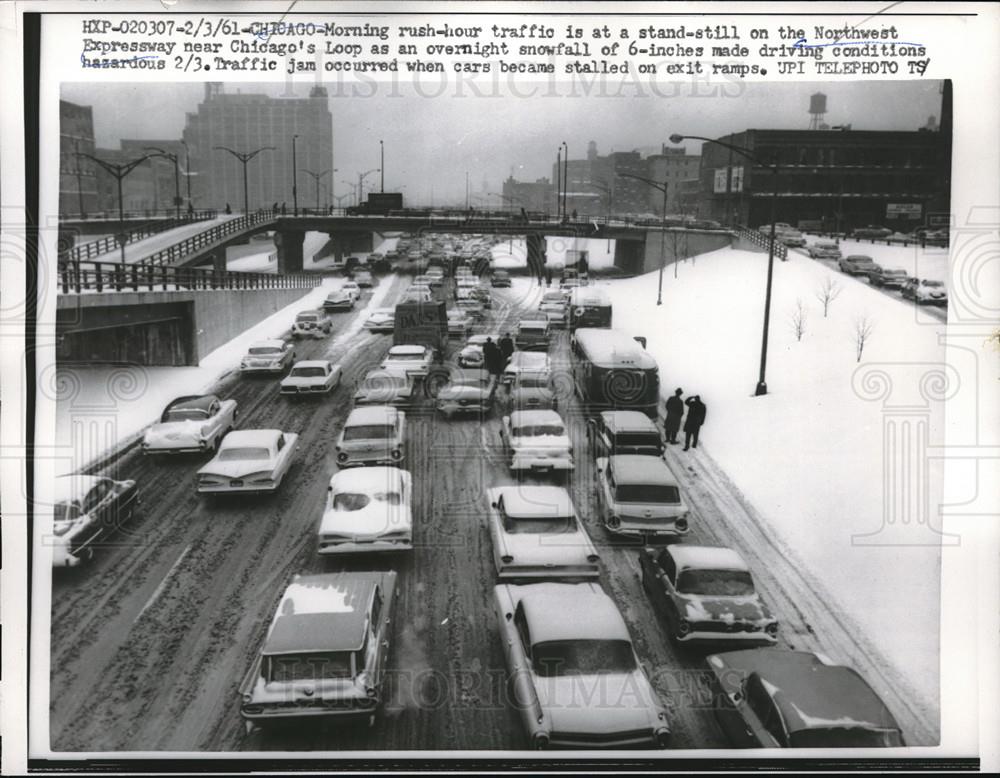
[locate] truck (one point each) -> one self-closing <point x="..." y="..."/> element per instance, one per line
<point x="423" y="323"/>
<point x="378" y="204"/>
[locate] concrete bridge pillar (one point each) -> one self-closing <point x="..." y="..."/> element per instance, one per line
<point x="219" y="261"/>
<point x="289" y="245"/>
<point x="536" y="254"/>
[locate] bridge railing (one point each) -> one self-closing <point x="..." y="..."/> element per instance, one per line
<point x="762" y="240"/>
<point x="96" y="248"/>
<point x="185" y="248"/>
<point x="82" y="277"/>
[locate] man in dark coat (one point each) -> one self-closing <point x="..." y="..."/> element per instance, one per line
<point x="506" y="347"/>
<point x="492" y="357"/>
<point x="675" y="410"/>
<point x="695" y="418"/>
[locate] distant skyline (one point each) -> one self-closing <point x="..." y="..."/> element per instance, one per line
<point x="430" y="142"/>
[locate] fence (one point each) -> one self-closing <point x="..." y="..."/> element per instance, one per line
<point x="96" y="248"/>
<point x="764" y="241"/>
<point x="79" y="277"/>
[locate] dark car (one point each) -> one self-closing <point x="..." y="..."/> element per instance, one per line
<point x="363" y="278"/>
<point x="500" y="278"/>
<point x="623" y="432"/>
<point x="871" y="231"/>
<point x="775" y="698"/>
<point x="891" y="277"/>
<point x="856" y="265"/>
<point x="85" y="509"/>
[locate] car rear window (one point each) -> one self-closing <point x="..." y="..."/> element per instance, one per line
<point x="309" y="372"/>
<point x="243" y="454"/>
<point x="309" y="667"/>
<point x="715" y="583"/>
<point x="538" y="526"/>
<point x="186" y="414"/>
<point x="368" y="431"/>
<point x="582" y="657"/>
<point x="635" y="439"/>
<point x="534" y="430"/>
<point x="355" y="501"/>
<point x="265" y="351"/>
<point x="651" y="493"/>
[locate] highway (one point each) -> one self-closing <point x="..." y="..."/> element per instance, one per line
<point x="152" y="638"/>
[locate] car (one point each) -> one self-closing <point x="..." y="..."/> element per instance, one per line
<point x="824" y="249"/>
<point x="421" y="288"/>
<point x="638" y="496"/>
<point x="471" y="354"/>
<point x="925" y="291"/>
<point x="530" y="391"/>
<point x="706" y="594"/>
<point x="554" y="306"/>
<point x="792" y="238"/>
<point x="84" y="509"/>
<point x="189" y="424"/>
<point x="386" y="387"/>
<point x="532" y="333"/>
<point x="471" y="307"/>
<point x="780" y="698"/>
<point x="364" y="279"/>
<point x="527" y="361"/>
<point x="779" y="228"/>
<point x="381" y="320"/>
<point x="466" y="283"/>
<point x="435" y="276"/>
<point x="889" y="277"/>
<point x="422" y="280"/>
<point x="311" y="377"/>
<point x="249" y="461"/>
<point x="372" y="435"/>
<point x="576" y="680"/>
<point x="311" y="324"/>
<point x="462" y="271"/>
<point x="352" y="288"/>
<point x="413" y="358"/>
<point x="326" y="650"/>
<point x="468" y="391"/>
<point x="856" y="264"/>
<point x="367" y="510"/>
<point x="483" y="295"/>
<point x="500" y="279"/>
<point x="537" y="535"/>
<point x="871" y="231"/>
<point x="567" y="286"/>
<point x="268" y="356"/>
<point x="412" y="295"/>
<point x="623" y="432"/>
<point x="339" y="300"/>
<point x="459" y="323"/>
<point x="536" y="441"/>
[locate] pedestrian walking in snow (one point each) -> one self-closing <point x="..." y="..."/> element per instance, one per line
<point x="492" y="357"/>
<point x="506" y="348"/>
<point x="695" y="418"/>
<point x="675" y="410"/>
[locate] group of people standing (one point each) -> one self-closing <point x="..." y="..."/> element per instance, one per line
<point x="696" y="411"/>
<point x="497" y="355"/>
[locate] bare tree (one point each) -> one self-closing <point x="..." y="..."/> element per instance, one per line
<point x="827" y="293"/>
<point x="798" y="319"/>
<point x="863" y="327"/>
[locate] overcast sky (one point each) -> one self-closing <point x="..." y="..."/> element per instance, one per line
<point x="433" y="138"/>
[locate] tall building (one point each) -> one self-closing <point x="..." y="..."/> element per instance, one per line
<point x="159" y="171"/>
<point x="671" y="166"/>
<point x="77" y="175"/>
<point x="537" y="196"/>
<point x="138" y="191"/>
<point x="245" y="123"/>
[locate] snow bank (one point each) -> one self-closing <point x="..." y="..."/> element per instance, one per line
<point x="930" y="262"/>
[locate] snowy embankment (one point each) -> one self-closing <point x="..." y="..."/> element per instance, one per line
<point x="930" y="262"/>
<point x="810" y="454"/>
<point x="111" y="406"/>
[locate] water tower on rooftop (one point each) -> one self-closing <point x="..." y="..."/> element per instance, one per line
<point x="817" y="109"/>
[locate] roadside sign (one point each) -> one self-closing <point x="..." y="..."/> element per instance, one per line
<point x="903" y="211"/>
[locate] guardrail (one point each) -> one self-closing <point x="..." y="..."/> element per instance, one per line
<point x="889" y="240"/>
<point x="185" y="248"/>
<point x="762" y="240"/>
<point x="106" y="245"/>
<point x="81" y="277"/>
<point x="163" y="213"/>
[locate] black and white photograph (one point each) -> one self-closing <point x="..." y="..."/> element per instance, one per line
<point x="544" y="403"/>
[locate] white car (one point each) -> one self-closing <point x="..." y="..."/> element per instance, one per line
<point x="386" y="387"/>
<point x="311" y="324"/>
<point x="268" y="356"/>
<point x="471" y="354"/>
<point x="637" y="495"/>
<point x="372" y="435"/>
<point x="459" y="323"/>
<point x="575" y="676"/>
<point x="352" y="288"/>
<point x="413" y="359"/>
<point x="84" y="508"/>
<point x="339" y="300"/>
<point x="367" y="509"/>
<point x="249" y="461"/>
<point x="194" y="423"/>
<point x="468" y="390"/>
<point x="536" y="441"/>
<point x="381" y="320"/>
<point x="537" y="534"/>
<point x="527" y="362"/>
<point x="311" y="376"/>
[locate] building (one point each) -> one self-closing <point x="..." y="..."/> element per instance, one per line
<point x="246" y="123"/>
<point x="77" y="175"/>
<point x="137" y="188"/>
<point x="828" y="179"/>
<point x="537" y="196"/>
<point x="671" y="166"/>
<point x="163" y="182"/>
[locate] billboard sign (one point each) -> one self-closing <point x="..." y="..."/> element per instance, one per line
<point x="904" y="211"/>
<point x="728" y="179"/>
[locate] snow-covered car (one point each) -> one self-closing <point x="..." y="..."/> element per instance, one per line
<point x="856" y="264"/>
<point x="623" y="432"/>
<point x="532" y="333"/>
<point x="889" y="277"/>
<point x="638" y="496"/>
<point x="386" y="387"/>
<point x="871" y="231"/>
<point x="326" y="650"/>
<point x="412" y="358"/>
<point x="526" y="361"/>
<point x="706" y="594"/>
<point x="537" y="535"/>
<point x="193" y="423"/>
<point x="575" y="676"/>
<point x="554" y="307"/>
<point x="567" y="286"/>
<point x="268" y="356"/>
<point x="471" y="307"/>
<point x="776" y="698"/>
<point x="311" y="377"/>
<point x="925" y="291"/>
<point x="352" y="288"/>
<point x="459" y="323"/>
<point x="372" y="435"/>
<point x="364" y="279"/>
<point x="500" y="279"/>
<point x="381" y="320"/>
<point x="339" y="300"/>
<point x="536" y="441"/>
<point x="249" y="461"/>
<point x="792" y="238"/>
<point x="468" y="391"/>
<point x="434" y="276"/>
<point x="420" y="295"/>
<point x="531" y="391"/>
<point x="483" y="296"/>
<point x="84" y="509"/>
<point x="824" y="249"/>
<point x="471" y="354"/>
<point x="367" y="509"/>
<point x="311" y="324"/>
<point x="779" y="227"/>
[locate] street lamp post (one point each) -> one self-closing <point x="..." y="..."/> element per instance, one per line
<point x="361" y="180"/>
<point x="79" y="181"/>
<point x="559" y="184"/>
<point x="381" y="161"/>
<point x="187" y="169"/>
<point x="244" y="157"/>
<point x="177" y="180"/>
<point x="316" y="177"/>
<point x="295" y="180"/>
<point x="565" y="179"/>
<point x="610" y="192"/>
<point x="761" y="382"/>
<point x="663" y="229"/>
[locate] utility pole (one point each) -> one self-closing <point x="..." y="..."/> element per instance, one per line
<point x="316" y="177"/>
<point x="295" y="182"/>
<point x="177" y="181"/>
<point x="245" y="157"/>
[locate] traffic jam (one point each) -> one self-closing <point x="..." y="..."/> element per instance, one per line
<point x="507" y="447"/>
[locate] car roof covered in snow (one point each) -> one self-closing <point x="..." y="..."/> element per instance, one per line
<point x="255" y="438"/>
<point x="553" y="612"/>
<point x="369" y="479"/>
<point x="372" y="414"/>
<point x="613" y="348"/>
<point x="312" y="363"/>
<point x="706" y="558"/>
<point x="518" y="418"/>
<point x="272" y="343"/>
<point x="589" y="295"/>
<point x="411" y="349"/>
<point x="627" y="421"/>
<point x="535" y="501"/>
<point x="641" y="469"/>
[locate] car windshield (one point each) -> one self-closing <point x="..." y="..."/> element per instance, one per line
<point x="533" y="381"/>
<point x="631" y="439"/>
<point x="307" y="317"/>
<point x="243" y="454"/>
<point x="715" y="583"/>
<point x="404" y="357"/>
<point x="894" y="271"/>
<point x="368" y="431"/>
<point x="355" y="501"/>
<point x="187" y="414"/>
<point x="934" y="284"/>
<point x="865" y="260"/>
<point x="548" y="525"/>
<point x="651" y="493"/>
<point x="265" y="351"/>
<point x="310" y="667"/>
<point x="582" y="657"/>
<point x="845" y="737"/>
<point x="468" y="380"/>
<point x="309" y="372"/>
<point x="553" y="297"/>
<point x="534" y="430"/>
<point x="826" y="245"/>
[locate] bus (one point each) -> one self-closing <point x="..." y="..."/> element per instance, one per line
<point x="613" y="371"/>
<point x="589" y="307"/>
